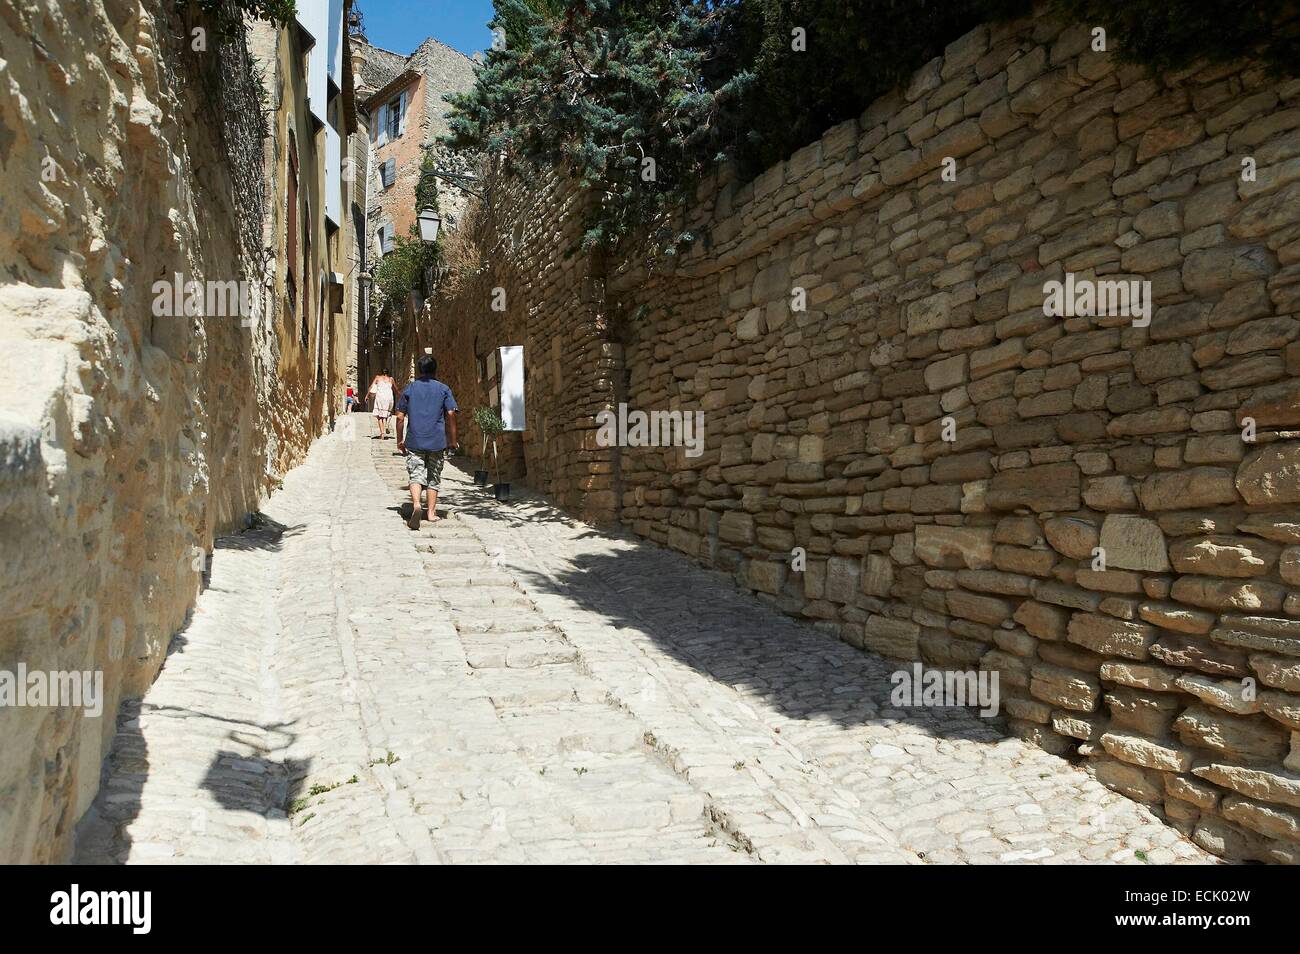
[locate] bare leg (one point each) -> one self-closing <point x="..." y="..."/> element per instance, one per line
<point x="433" y="505"/>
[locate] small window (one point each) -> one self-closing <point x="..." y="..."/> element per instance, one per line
<point x="306" y="270"/>
<point x="291" y="293"/>
<point x="395" y="118"/>
<point x="388" y="172"/>
<point x="386" y="238"/>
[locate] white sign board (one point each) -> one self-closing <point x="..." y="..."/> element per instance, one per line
<point x="512" y="387"/>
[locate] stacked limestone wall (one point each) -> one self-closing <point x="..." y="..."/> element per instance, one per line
<point x="128" y="438"/>
<point x="1173" y="668"/>
<point x="519" y="281"/>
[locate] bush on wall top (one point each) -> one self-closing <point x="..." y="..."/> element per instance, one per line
<point x="859" y="50"/>
<point x="597" y="87"/>
<point x="1173" y="34"/>
<point x="622" y="96"/>
<point x="854" y="51"/>
<point x="227" y="13"/>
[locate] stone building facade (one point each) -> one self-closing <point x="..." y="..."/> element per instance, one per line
<point x="309" y="227"/>
<point x="903" y="445"/>
<point x="137" y="422"/>
<point x="402" y="100"/>
<point x="356" y="163"/>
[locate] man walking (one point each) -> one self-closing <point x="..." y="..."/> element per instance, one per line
<point x="426" y="444"/>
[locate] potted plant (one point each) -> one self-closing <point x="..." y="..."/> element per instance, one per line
<point x="490" y="424"/>
<point x="483" y="418"/>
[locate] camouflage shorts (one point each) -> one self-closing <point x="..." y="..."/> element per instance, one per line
<point x="425" y="468"/>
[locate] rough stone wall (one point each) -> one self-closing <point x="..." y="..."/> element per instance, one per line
<point x="443" y="71"/>
<point x="553" y="305"/>
<point x="924" y="307"/>
<point x="304" y="322"/>
<point x="128" y="439"/>
<point x="396" y="204"/>
<point x="358" y="263"/>
<point x="427" y="75"/>
<point x="377" y="67"/>
<point x="434" y="70"/>
<point x="1173" y="669"/>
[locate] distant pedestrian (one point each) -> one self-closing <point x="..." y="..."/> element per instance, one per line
<point x="383" y="388"/>
<point x="430" y="437"/>
<point x="349" y="401"/>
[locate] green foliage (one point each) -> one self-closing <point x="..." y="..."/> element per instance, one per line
<point x="226" y="13"/>
<point x="488" y="421"/>
<point x="516" y="24"/>
<point x="400" y="271"/>
<point x="617" y="94"/>
<point x="1170" y="36"/>
<point x="426" y="190"/>
<point x="490" y="425"/>
<point x="595" y="86"/>
<point x="856" y="50"/>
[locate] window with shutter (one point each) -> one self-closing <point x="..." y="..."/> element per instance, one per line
<point x="291" y="226"/>
<point x="395" y="118"/>
<point x="306" y="270"/>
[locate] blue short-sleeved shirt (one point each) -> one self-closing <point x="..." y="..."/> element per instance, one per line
<point x="425" y="402"/>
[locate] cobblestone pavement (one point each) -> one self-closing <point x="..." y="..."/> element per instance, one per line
<point x="509" y="685"/>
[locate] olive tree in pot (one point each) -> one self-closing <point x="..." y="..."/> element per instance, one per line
<point x="485" y="417"/>
<point x="490" y="423"/>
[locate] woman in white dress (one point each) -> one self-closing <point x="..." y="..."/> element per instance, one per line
<point x="382" y="389"/>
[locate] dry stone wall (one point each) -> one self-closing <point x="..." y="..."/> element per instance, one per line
<point x="1103" y="509"/>
<point x="128" y="438"/>
<point x="519" y="281"/>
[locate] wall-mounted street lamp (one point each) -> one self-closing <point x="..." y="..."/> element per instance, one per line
<point x="430" y="222"/>
<point x="427" y="215"/>
<point x="363" y="282"/>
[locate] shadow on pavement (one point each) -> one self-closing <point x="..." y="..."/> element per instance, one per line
<point x="702" y="618"/>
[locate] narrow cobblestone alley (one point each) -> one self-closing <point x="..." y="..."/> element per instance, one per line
<point x="509" y="685"/>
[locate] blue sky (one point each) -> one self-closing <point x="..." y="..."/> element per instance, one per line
<point x="402" y="25"/>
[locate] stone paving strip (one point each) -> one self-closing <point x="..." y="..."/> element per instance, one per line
<point x="509" y="685"/>
<point x="789" y="732"/>
<point x="349" y="691"/>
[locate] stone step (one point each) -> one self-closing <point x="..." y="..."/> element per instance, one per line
<point x="516" y="650"/>
<point x="477" y="597"/>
